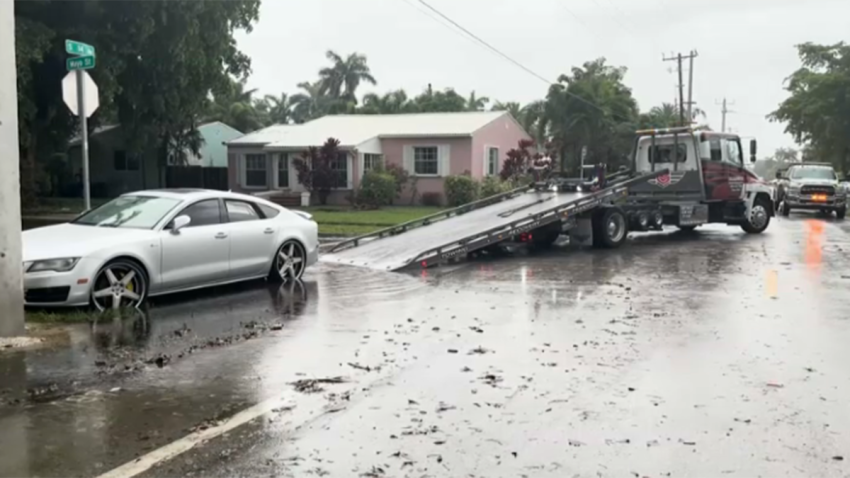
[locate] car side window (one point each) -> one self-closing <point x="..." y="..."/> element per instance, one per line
<point x="733" y="152"/>
<point x="268" y="212"/>
<point x="241" y="211"/>
<point x="203" y="213"/>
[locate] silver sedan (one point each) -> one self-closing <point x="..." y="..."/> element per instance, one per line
<point x="158" y="242"/>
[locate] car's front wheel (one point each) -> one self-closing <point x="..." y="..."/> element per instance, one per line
<point x="289" y="262"/>
<point x="119" y="284"/>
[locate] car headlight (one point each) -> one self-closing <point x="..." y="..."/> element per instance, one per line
<point x="64" y="264"/>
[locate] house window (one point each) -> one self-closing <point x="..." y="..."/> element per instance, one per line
<point x="255" y="170"/>
<point x="122" y="162"/>
<point x="340" y="168"/>
<point x="492" y="161"/>
<point x="283" y="171"/>
<point x="425" y="161"/>
<point x="372" y="161"/>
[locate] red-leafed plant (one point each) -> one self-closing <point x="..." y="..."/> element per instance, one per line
<point x="517" y="161"/>
<point x="315" y="169"/>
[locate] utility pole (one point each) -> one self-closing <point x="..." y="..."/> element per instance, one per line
<point x="724" y="109"/>
<point x="11" y="263"/>
<point x="691" y="86"/>
<point x="679" y="59"/>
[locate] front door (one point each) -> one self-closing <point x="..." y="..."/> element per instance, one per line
<point x="724" y="173"/>
<point x="251" y="239"/>
<point x="197" y="254"/>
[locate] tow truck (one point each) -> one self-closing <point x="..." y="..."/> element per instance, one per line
<point x="683" y="177"/>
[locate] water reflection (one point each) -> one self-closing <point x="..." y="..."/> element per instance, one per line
<point x="291" y="298"/>
<point x="120" y="328"/>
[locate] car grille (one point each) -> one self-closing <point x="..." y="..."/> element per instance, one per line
<point x="47" y="295"/>
<point x="830" y="190"/>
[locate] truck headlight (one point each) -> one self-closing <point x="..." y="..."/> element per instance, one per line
<point x="64" y="264"/>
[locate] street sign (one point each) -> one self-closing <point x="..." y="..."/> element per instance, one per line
<point x="90" y="93"/>
<point x="80" y="63"/>
<point x="78" y="48"/>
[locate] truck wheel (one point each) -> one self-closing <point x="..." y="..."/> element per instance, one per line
<point x="840" y="213"/>
<point x="759" y="217"/>
<point x="785" y="209"/>
<point x="687" y="228"/>
<point x="610" y="228"/>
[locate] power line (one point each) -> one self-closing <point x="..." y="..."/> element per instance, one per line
<point x="505" y="56"/>
<point x="432" y="17"/>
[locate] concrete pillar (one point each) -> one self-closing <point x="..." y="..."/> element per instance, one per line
<point x="11" y="281"/>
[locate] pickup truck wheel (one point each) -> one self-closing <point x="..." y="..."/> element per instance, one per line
<point x="610" y="228"/>
<point x="759" y="217"/>
<point x="840" y="213"/>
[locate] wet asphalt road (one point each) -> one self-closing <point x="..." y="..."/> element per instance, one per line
<point x="707" y="354"/>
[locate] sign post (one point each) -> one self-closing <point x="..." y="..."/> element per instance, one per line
<point x="84" y="60"/>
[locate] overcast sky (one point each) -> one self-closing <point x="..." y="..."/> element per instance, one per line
<point x="746" y="47"/>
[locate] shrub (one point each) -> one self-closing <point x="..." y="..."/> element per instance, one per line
<point x="314" y="169"/>
<point x="400" y="176"/>
<point x="460" y="190"/>
<point x="432" y="199"/>
<point x="377" y="189"/>
<point x="492" y="185"/>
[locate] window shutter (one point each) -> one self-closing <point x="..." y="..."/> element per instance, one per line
<point x="349" y="171"/>
<point x="445" y="159"/>
<point x="407" y="159"/>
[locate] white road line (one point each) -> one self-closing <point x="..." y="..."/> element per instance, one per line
<point x="167" y="452"/>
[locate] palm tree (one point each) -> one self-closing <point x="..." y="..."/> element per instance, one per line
<point x="391" y="103"/>
<point x="235" y="106"/>
<point x="310" y="104"/>
<point x="342" y="79"/>
<point x="512" y="107"/>
<point x="535" y="120"/>
<point x="279" y="109"/>
<point x="474" y="103"/>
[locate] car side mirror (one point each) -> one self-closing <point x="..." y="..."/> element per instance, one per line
<point x="179" y="223"/>
<point x="753" y="150"/>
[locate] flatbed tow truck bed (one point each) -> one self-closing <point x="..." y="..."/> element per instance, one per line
<point x="454" y="233"/>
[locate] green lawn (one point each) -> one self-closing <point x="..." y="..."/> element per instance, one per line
<point x="338" y="221"/>
<point x="59" y="316"/>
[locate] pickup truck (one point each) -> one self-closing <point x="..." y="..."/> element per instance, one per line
<point x="810" y="186"/>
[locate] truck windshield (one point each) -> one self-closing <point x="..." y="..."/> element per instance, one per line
<point x="812" y="173"/>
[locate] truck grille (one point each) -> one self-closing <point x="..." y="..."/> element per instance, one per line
<point x="829" y="190"/>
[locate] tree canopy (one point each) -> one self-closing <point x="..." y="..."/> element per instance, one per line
<point x="817" y="110"/>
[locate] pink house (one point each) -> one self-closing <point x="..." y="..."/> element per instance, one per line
<point x="430" y="146"/>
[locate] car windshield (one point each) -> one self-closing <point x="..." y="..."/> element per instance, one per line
<point x="812" y="173"/>
<point x="134" y="212"/>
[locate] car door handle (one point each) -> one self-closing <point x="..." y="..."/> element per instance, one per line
<point x="269" y="231"/>
<point x="221" y="235"/>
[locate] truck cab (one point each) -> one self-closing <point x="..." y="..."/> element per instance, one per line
<point x="707" y="179"/>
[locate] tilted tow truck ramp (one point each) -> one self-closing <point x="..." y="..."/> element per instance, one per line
<point x="456" y="232"/>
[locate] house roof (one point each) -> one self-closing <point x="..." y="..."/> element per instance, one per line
<point x="76" y="140"/>
<point x="264" y="136"/>
<point x="352" y="130"/>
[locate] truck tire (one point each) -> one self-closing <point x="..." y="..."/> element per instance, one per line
<point x="687" y="228"/>
<point x="785" y="209"/>
<point x="610" y="228"/>
<point x="840" y="213"/>
<point x="759" y="217"/>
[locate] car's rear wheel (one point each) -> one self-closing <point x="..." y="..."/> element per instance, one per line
<point x="119" y="284"/>
<point x="841" y="213"/>
<point x="289" y="262"/>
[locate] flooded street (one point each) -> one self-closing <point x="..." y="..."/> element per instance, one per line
<point x="712" y="353"/>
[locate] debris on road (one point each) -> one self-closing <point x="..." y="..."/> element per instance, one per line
<point x="365" y="368"/>
<point x="312" y="385"/>
<point x="478" y="351"/>
<point x="775" y="385"/>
